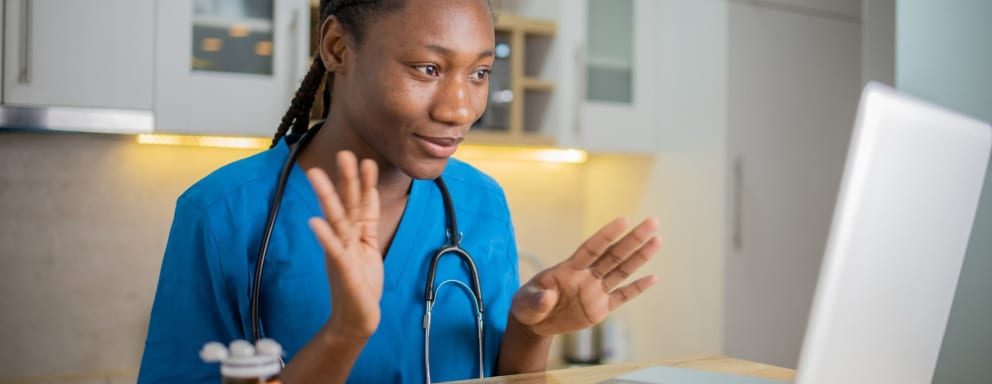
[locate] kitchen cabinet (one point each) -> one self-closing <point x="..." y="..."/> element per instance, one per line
<point x="519" y="90"/>
<point x="793" y="80"/>
<point x="79" y="54"/>
<point x="610" y="57"/>
<point x="849" y="10"/>
<point x="228" y="67"/>
<point x="594" y="82"/>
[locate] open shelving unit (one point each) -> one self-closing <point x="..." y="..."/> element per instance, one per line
<point x="520" y="123"/>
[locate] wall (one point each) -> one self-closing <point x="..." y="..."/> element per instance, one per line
<point x="943" y="54"/>
<point x="686" y="186"/>
<point x="85" y="221"/>
<point x="84" y="225"/>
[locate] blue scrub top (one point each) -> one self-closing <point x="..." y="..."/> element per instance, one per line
<point x="204" y="287"/>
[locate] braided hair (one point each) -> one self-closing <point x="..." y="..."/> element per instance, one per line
<point x="353" y="16"/>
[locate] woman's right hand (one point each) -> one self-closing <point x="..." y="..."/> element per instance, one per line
<point x="348" y="232"/>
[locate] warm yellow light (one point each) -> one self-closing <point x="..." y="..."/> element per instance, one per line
<point x="211" y="44"/>
<point x="160" y="139"/>
<point x="560" y="155"/>
<point x="542" y="154"/>
<point x="263" y="48"/>
<point x="465" y="151"/>
<point x="206" y="141"/>
<point x="238" y="30"/>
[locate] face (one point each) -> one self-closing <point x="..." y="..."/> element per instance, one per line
<point x="414" y="85"/>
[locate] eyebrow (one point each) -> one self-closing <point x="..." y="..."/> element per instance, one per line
<point x="448" y="52"/>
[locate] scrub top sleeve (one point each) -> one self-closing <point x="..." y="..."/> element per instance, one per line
<point x="192" y="305"/>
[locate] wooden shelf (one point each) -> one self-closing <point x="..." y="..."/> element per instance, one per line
<point x="525" y="36"/>
<point x="533" y="84"/>
<point x="508" y="22"/>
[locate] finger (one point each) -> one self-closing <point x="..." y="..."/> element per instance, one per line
<point x="632" y="264"/>
<point x="630" y="291"/>
<point x="621" y="250"/>
<point x="590" y="250"/>
<point x="351" y="190"/>
<point x="330" y="204"/>
<point x="531" y="304"/>
<point x="330" y="242"/>
<point x="370" y="202"/>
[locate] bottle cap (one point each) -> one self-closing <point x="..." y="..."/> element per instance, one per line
<point x="243" y="360"/>
<point x="213" y="352"/>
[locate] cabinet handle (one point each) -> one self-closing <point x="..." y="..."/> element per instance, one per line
<point x="738" y="209"/>
<point x="580" y="86"/>
<point x="24" y="63"/>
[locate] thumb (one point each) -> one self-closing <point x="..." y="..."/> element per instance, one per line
<point x="532" y="304"/>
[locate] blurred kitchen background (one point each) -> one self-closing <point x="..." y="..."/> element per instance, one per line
<point x="727" y="119"/>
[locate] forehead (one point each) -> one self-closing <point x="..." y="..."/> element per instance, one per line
<point x="461" y="26"/>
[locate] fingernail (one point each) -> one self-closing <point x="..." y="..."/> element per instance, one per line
<point x="535" y="297"/>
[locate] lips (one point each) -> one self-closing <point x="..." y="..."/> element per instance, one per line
<point x="441" y="147"/>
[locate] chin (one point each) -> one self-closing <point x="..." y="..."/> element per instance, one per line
<point x="427" y="169"/>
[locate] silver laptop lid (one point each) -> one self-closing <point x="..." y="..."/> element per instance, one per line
<point x="901" y="226"/>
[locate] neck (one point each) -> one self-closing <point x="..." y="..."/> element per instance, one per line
<point x="334" y="137"/>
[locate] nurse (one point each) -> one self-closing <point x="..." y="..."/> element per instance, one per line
<point x="343" y="284"/>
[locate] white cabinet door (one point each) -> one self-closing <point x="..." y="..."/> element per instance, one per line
<point x="94" y="53"/>
<point x="837" y="9"/>
<point x="249" y="63"/>
<point x="792" y="90"/>
<point x="610" y="77"/>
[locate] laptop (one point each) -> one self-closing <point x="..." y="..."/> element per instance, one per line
<point x="901" y="226"/>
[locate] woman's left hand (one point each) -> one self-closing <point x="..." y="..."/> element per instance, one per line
<point x="580" y="291"/>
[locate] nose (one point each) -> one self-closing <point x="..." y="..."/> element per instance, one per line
<point x="453" y="103"/>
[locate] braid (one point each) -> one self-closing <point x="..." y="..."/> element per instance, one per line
<point x="298" y="115"/>
<point x="353" y="15"/>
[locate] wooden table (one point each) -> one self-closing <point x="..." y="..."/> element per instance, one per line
<point x="596" y="374"/>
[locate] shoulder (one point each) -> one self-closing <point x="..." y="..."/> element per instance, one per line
<point x="465" y="174"/>
<point x="474" y="190"/>
<point x="248" y="177"/>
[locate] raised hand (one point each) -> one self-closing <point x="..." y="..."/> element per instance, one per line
<point x="580" y="291"/>
<point x="348" y="232"/>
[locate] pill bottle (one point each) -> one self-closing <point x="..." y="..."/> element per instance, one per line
<point x="243" y="363"/>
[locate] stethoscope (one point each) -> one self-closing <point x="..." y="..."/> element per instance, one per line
<point x="452" y="247"/>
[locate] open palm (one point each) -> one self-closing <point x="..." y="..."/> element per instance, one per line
<point x="348" y="234"/>
<point x="582" y="290"/>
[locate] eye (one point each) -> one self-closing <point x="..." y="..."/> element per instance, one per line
<point x="480" y="75"/>
<point x="428" y="69"/>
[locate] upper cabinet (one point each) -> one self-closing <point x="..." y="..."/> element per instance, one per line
<point x="604" y="63"/>
<point x="588" y="80"/>
<point x="519" y="88"/>
<point x="836" y="9"/>
<point x="617" y="60"/>
<point x="88" y="54"/>
<point x="228" y="67"/>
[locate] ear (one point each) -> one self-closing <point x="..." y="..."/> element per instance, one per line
<point x="333" y="45"/>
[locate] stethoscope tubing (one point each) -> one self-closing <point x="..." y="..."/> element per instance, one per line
<point x="453" y="246"/>
<point x="270" y="223"/>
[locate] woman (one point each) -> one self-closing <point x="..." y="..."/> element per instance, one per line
<point x="405" y="80"/>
